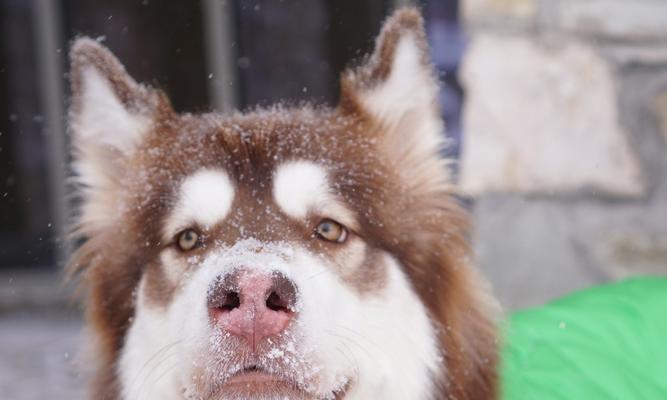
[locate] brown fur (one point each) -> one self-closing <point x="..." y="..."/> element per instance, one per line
<point x="422" y="225"/>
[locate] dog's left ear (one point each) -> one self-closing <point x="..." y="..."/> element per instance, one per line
<point x="108" y="107"/>
<point x="396" y="88"/>
<point x="110" y="114"/>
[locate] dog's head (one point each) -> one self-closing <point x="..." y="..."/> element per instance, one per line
<point x="305" y="253"/>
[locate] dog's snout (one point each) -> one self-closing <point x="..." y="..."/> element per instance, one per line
<point x="252" y="305"/>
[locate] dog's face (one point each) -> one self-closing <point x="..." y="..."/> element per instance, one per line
<point x="303" y="253"/>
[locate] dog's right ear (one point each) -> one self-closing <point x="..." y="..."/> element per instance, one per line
<point x="109" y="114"/>
<point x="396" y="88"/>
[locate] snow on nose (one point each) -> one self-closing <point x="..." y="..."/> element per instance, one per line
<point x="252" y="305"/>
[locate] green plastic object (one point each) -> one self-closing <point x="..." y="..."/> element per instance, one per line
<point x="604" y="343"/>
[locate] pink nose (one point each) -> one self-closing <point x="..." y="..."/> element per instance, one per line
<point x="252" y="305"/>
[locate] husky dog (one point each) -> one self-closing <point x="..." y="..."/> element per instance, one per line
<point x="284" y="253"/>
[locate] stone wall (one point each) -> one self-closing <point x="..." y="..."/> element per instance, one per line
<point x="565" y="142"/>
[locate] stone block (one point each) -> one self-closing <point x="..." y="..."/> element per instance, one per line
<point x="526" y="248"/>
<point x="543" y="120"/>
<point x="636" y="54"/>
<point x="534" y="250"/>
<point x="42" y="356"/>
<point x="660" y="108"/>
<point x="494" y="12"/>
<point x="626" y="20"/>
<point x="626" y="253"/>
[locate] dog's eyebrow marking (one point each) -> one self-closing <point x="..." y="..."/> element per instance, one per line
<point x="205" y="198"/>
<point x="300" y="187"/>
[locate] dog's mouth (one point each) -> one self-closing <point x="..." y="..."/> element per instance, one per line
<point x="254" y="375"/>
<point x="256" y="383"/>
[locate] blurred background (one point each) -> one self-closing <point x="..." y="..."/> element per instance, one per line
<point x="557" y="110"/>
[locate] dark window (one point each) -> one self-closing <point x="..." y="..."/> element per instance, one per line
<point x="25" y="226"/>
<point x="447" y="45"/>
<point x="295" y="50"/>
<point x="159" y="42"/>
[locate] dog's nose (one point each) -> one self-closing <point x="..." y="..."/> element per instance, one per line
<point x="252" y="305"/>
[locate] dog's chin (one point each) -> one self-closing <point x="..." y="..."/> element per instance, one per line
<point x="253" y="383"/>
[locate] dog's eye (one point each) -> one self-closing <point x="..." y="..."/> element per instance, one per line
<point x="331" y="231"/>
<point x="187" y="240"/>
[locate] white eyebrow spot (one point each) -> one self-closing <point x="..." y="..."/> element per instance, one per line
<point x="299" y="186"/>
<point x="205" y="198"/>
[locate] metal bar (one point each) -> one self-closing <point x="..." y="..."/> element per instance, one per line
<point x="48" y="37"/>
<point x="220" y="55"/>
<point x="404" y="3"/>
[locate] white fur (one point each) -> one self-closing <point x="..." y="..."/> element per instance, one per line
<point x="406" y="103"/>
<point x="173" y="266"/>
<point x="302" y="187"/>
<point x="382" y="342"/>
<point x="204" y="198"/>
<point x="299" y="186"/>
<point x="104" y="132"/>
<point x="408" y="87"/>
<point x="104" y="118"/>
<point x="385" y="341"/>
<point x="149" y="356"/>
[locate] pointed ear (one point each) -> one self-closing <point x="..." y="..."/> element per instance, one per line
<point x="108" y="107"/>
<point x="109" y="114"/>
<point x="397" y="89"/>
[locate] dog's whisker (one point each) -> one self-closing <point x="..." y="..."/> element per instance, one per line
<point x="159" y="356"/>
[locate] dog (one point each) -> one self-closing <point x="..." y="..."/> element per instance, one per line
<point x="283" y="253"/>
